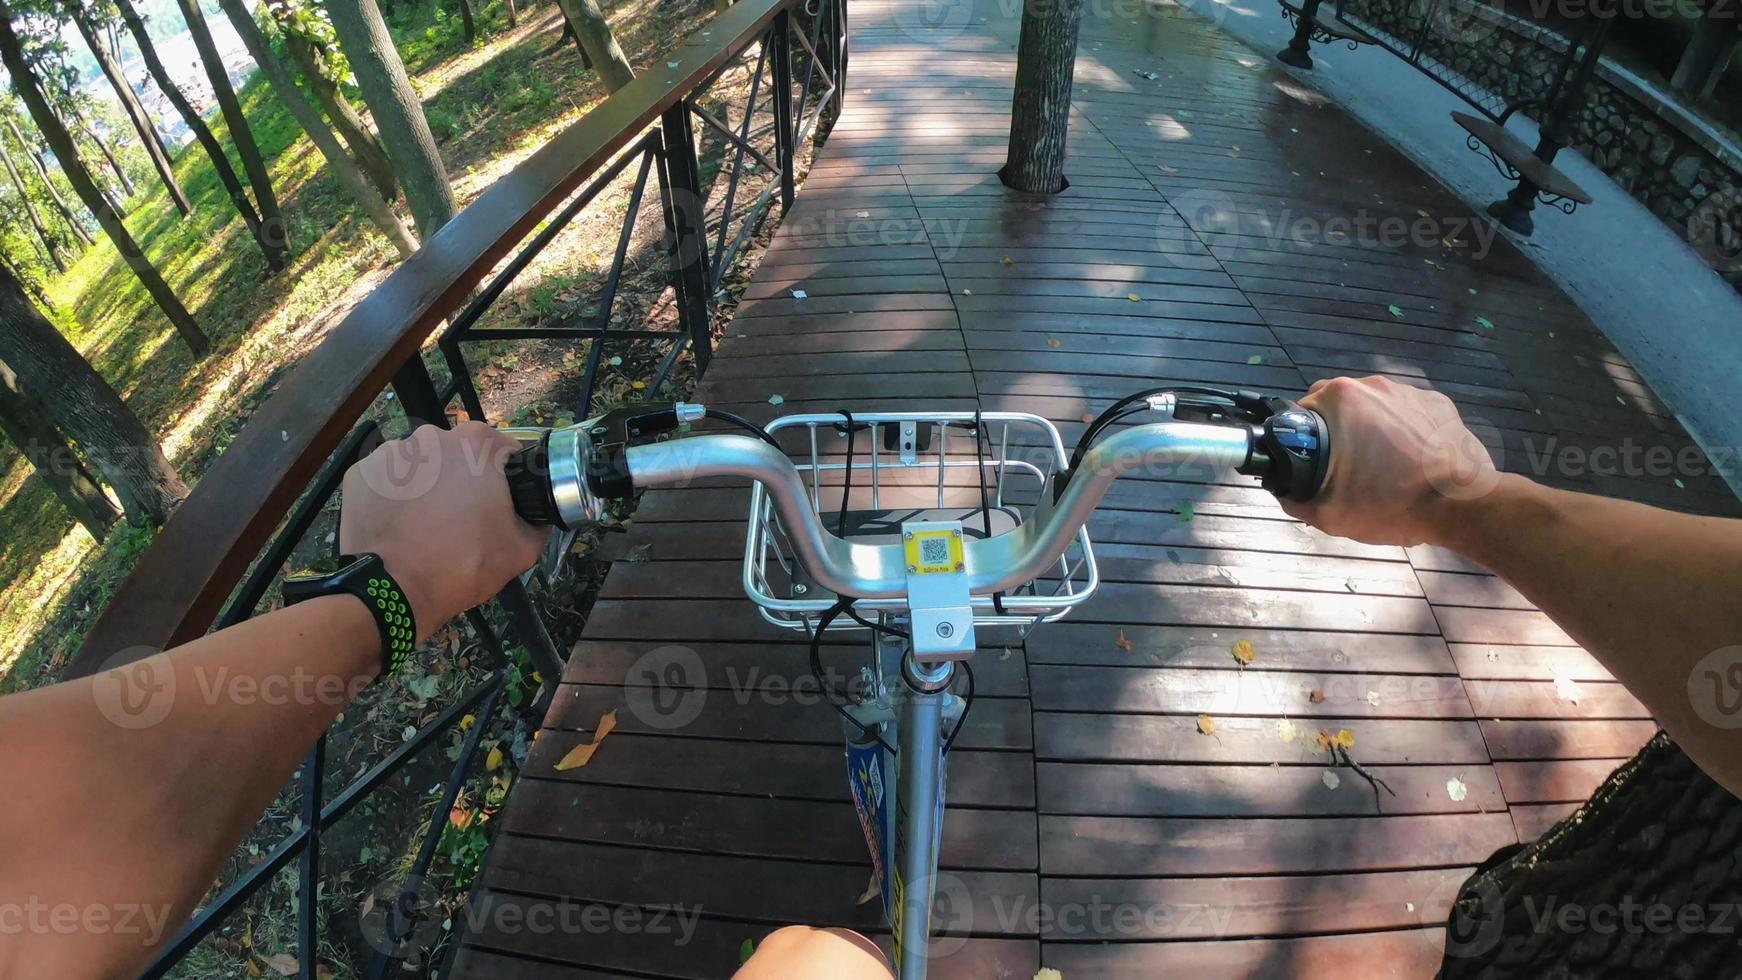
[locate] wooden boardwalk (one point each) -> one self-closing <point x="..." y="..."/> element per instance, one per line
<point x="1212" y="233"/>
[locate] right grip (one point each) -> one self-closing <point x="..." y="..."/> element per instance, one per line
<point x="529" y="486"/>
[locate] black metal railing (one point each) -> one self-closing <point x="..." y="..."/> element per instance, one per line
<point x="796" y="104"/>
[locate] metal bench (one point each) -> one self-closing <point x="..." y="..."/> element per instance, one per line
<point x="1428" y="36"/>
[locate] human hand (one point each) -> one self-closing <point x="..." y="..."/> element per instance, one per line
<point x="435" y="507"/>
<point x="1401" y="462"/>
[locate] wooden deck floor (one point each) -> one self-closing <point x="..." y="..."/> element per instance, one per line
<point x="1096" y="831"/>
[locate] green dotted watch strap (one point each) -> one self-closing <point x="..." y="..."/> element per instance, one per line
<point x="394" y="616"/>
<point x="364" y="576"/>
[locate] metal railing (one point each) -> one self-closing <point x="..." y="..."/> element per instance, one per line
<point x="262" y="497"/>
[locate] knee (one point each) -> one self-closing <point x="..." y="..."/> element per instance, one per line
<point x="800" y="950"/>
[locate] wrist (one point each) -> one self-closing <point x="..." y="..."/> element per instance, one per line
<point x="424" y="615"/>
<point x="1468" y="526"/>
<point x="351" y="615"/>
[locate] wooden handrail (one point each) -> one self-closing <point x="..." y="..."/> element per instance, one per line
<point x="179" y="585"/>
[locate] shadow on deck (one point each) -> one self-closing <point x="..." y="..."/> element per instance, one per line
<point x="1224" y="225"/>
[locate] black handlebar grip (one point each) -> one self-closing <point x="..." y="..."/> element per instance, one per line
<point x="528" y="473"/>
<point x="1296" y="443"/>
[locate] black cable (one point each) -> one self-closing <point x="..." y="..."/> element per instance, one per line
<point x="847" y="480"/>
<point x="836" y="699"/>
<point x="883" y="628"/>
<point x="742" y="423"/>
<point x="1114" y="412"/>
<point x="985" y="503"/>
<point x="967" y="706"/>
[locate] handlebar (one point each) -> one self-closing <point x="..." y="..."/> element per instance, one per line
<point x="571" y="477"/>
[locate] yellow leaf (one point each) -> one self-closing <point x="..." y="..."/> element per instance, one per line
<point x="1206" y="725"/>
<point x="467" y="722"/>
<point x="1242" y="651"/>
<point x="1122" y="643"/>
<point x="1133" y="297"/>
<point x="1344" y="739"/>
<point x="580" y="755"/>
<point x="1285" y="730"/>
<point x="1325" y="740"/>
<point x="283" y="964"/>
<point x="1007" y="260"/>
<point x="1048" y="973"/>
<point x="493" y="761"/>
<point x="254" y="969"/>
<point x="638" y="385"/>
<point x="1052" y="342"/>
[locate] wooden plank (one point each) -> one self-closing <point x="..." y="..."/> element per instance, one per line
<point x="1565" y="739"/>
<point x="1398" y="955"/>
<point x="1534" y="820"/>
<point x="1129" y="910"/>
<point x="1553" y="780"/>
<point x="1184" y="646"/>
<point x="1072" y="737"/>
<point x="1539" y="699"/>
<point x="1263" y="693"/>
<point x="1510" y="662"/>
<point x="1253" y="791"/>
<point x="1164" y="847"/>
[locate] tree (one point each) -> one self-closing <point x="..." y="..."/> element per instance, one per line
<point x="1040" y="110"/>
<point x="273" y="246"/>
<point x="309" y="118"/>
<point x="50" y="242"/>
<point x="598" y="44"/>
<point x="84" y="20"/>
<point x="70" y="101"/>
<point x="274" y="234"/>
<point x="398" y="113"/>
<point x="45" y="370"/>
<point x="468" y="25"/>
<point x="1658" y="832"/>
<point x="55" y="462"/>
<point x="60" y="142"/>
<point x="308" y="36"/>
<point x="34" y="155"/>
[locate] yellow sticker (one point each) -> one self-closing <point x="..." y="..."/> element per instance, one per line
<point x="934" y="553"/>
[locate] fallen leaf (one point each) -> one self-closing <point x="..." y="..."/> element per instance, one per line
<point x="1330" y="779"/>
<point x="283" y="964"/>
<point x="1373" y="698"/>
<point x="254" y="969"/>
<point x="745" y="952"/>
<point x="799" y="294"/>
<point x="1456" y="789"/>
<point x="1133" y="297"/>
<point x="493" y="761"/>
<point x="1316" y="696"/>
<point x="580" y="755"/>
<point x="467" y="722"/>
<point x="1122" y="643"/>
<point x="1206" y="725"/>
<point x="1052" y="342"/>
<point x="872" y="890"/>
<point x="1242" y="651"/>
<point x="1485" y="323"/>
<point x="1255" y="359"/>
<point x="1007" y="260"/>
<point x="1048" y="973"/>
<point x="1566" y="690"/>
<point x="1186" y="512"/>
<point x="460" y="816"/>
<point x="776" y="400"/>
<point x="1285" y="730"/>
<point x="1395" y="310"/>
<point x="638" y="384"/>
<point x="1679" y="485"/>
<point x="1344" y="739"/>
<point x="1325" y="740"/>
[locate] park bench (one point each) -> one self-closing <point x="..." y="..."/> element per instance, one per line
<point x="1442" y="39"/>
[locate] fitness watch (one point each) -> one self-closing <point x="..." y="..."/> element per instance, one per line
<point x="364" y="576"/>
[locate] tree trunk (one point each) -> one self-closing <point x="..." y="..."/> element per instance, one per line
<point x="56" y="378"/>
<point x="1040" y="110"/>
<point x="50" y="242"/>
<point x="365" y="147"/>
<point x="127" y="188"/>
<point x="468" y="25"/>
<point x="309" y="118"/>
<point x="42" y="172"/>
<point x="141" y="119"/>
<point x="513" y="13"/>
<point x="398" y="112"/>
<point x="597" y="42"/>
<point x="60" y="143"/>
<point x="274" y="252"/>
<point x="568" y="35"/>
<point x="274" y="235"/>
<point x="56" y="464"/>
<point x="1580" y="902"/>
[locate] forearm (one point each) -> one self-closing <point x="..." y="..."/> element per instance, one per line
<point x="1648" y="592"/>
<point x="140" y="785"/>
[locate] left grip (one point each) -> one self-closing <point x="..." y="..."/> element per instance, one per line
<point x="528" y="473"/>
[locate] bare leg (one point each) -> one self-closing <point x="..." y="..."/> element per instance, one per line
<point x="802" y="952"/>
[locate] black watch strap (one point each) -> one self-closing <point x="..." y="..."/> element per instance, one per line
<point x="364" y="576"/>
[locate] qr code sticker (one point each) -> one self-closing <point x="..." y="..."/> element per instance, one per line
<point x="934" y="551"/>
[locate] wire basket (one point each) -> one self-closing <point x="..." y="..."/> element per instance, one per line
<point x="917" y="466"/>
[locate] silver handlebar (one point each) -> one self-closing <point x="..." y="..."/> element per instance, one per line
<point x="998" y="564"/>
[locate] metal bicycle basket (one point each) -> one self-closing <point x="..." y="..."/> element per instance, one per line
<point x="988" y="470"/>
